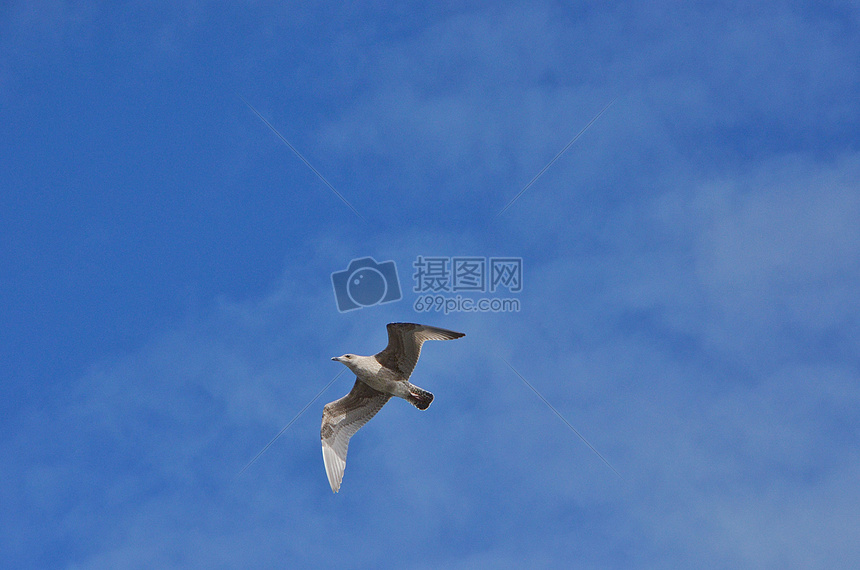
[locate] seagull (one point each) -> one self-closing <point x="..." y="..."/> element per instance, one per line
<point x="377" y="378"/>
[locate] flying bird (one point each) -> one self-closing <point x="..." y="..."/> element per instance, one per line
<point x="377" y="378"/>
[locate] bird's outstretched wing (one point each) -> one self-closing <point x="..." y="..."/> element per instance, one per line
<point x="404" y="345"/>
<point x="340" y="420"/>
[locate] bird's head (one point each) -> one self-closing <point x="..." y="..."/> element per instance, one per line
<point x="348" y="360"/>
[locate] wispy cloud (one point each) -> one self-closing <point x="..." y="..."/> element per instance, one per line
<point x="291" y="422"/>
<point x="561" y="417"/>
<point x="556" y="157"/>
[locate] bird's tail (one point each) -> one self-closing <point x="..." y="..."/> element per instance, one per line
<point x="419" y="398"/>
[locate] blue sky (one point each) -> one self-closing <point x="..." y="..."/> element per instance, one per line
<point x="689" y="302"/>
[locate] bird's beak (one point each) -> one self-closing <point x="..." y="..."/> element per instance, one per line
<point x="337" y="358"/>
